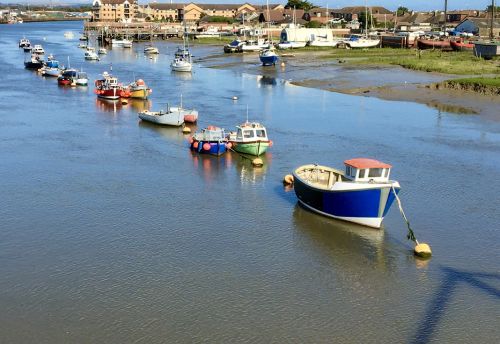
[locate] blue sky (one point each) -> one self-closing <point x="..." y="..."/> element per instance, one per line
<point x="420" y="5"/>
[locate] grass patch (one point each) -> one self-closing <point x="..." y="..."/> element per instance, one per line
<point x="489" y="86"/>
<point x="460" y="63"/>
<point x="489" y="82"/>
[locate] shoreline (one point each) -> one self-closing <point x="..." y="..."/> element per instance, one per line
<point x="388" y="82"/>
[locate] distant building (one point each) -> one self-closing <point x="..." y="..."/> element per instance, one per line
<point x="479" y="26"/>
<point x="114" y="10"/>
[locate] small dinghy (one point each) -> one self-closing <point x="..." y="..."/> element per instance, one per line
<point x="362" y="194"/>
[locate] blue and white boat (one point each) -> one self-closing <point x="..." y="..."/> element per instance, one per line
<point x="211" y="140"/>
<point x="362" y="194"/>
<point x="268" y="57"/>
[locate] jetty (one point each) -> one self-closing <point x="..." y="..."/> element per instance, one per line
<point x="106" y="31"/>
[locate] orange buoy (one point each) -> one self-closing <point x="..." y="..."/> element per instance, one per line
<point x="270" y="143"/>
<point x="229" y="145"/>
<point x="195" y="144"/>
<point x="186" y="130"/>
<point x="206" y="146"/>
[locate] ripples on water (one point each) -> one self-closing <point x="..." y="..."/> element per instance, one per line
<point x="113" y="231"/>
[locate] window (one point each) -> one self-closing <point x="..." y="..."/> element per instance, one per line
<point x="348" y="170"/>
<point x="248" y="134"/>
<point x="361" y="173"/>
<point x="375" y="172"/>
<point x="238" y="134"/>
<point x="261" y="133"/>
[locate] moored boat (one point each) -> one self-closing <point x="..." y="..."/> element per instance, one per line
<point x="124" y="43"/>
<point x="462" y="45"/>
<point x="268" y="57"/>
<point x="51" y="68"/>
<point x="102" y="51"/>
<point x="38" y="49"/>
<point x="24" y="42"/>
<point x="81" y="78"/>
<point x="362" y="194"/>
<point x="68" y="77"/>
<point x="233" y="47"/>
<point x="361" y="42"/>
<point x="210" y="140"/>
<point x="423" y="43"/>
<point x="27" y="48"/>
<point x="138" y="89"/>
<point x="91" y="55"/>
<point x="291" y="45"/>
<point x="167" y="117"/>
<point x="250" y="138"/>
<point x="108" y="87"/>
<point x="35" y="62"/>
<point x="151" y="50"/>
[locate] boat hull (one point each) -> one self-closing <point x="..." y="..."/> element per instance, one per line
<point x="171" y="119"/>
<point x="33" y="65"/>
<point x="251" y="148"/>
<point x="268" y="60"/>
<point x="53" y="72"/>
<point x="181" y="68"/>
<point x="111" y="94"/>
<point x="217" y="148"/>
<point x="139" y="94"/>
<point x="365" y="206"/>
<point x="432" y="44"/>
<point x="459" y="46"/>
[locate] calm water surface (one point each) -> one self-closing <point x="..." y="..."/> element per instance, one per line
<point x="112" y="231"/>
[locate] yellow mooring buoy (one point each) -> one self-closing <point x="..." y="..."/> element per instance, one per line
<point x="124" y="101"/>
<point x="186" y="130"/>
<point x="422" y="250"/>
<point x="288" y="180"/>
<point x="257" y="162"/>
<point x="283" y="64"/>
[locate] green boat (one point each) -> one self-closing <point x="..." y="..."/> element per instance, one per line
<point x="250" y="138"/>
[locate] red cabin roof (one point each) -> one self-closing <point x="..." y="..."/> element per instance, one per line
<point x="366" y="163"/>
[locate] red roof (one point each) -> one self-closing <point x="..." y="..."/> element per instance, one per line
<point x="366" y="163"/>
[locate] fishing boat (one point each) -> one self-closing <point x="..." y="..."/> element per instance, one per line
<point x="210" y="140"/>
<point x="182" y="59"/>
<point x="151" y="50"/>
<point x="233" y="47"/>
<point x="108" y="87"/>
<point x="27" y="48"/>
<point x="423" y="43"/>
<point x="362" y="194"/>
<point x="81" y="78"/>
<point x="250" y="138"/>
<point x="91" y="55"/>
<point x="102" y="51"/>
<point x="460" y="45"/>
<point x="172" y="117"/>
<point x="38" y="49"/>
<point x="68" y="77"/>
<point x="138" y="89"/>
<point x="51" y="68"/>
<point x="268" y="57"/>
<point x="35" y="62"/>
<point x="252" y="45"/>
<point x="24" y="42"/>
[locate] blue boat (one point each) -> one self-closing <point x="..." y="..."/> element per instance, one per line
<point x="268" y="57"/>
<point x="210" y="140"/>
<point x="362" y="194"/>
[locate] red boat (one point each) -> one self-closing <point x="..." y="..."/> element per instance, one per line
<point x="462" y="46"/>
<point x="433" y="44"/>
<point x="108" y="87"/>
<point x="68" y="77"/>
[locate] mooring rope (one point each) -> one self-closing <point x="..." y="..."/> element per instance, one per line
<point x="410" y="235"/>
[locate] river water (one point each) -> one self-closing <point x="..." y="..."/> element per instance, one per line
<point x="113" y="231"/>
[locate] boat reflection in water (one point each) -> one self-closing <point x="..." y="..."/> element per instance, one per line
<point x="172" y="134"/>
<point x="139" y="104"/>
<point x="265" y="80"/>
<point x="208" y="166"/>
<point x="107" y="105"/>
<point x="347" y="244"/>
<point x="247" y="173"/>
<point x="182" y="75"/>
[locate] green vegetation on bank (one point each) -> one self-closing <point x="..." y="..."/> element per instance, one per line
<point x="478" y="84"/>
<point x="460" y="63"/>
<point x="213" y="40"/>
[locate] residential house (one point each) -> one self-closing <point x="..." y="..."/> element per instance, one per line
<point x="479" y="26"/>
<point x="114" y="10"/>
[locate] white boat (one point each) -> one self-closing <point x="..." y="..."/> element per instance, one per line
<point x="38" y="49"/>
<point x="172" y="116"/>
<point x="24" y="42"/>
<point x="257" y="45"/>
<point x="102" y="51"/>
<point x="90" y="54"/>
<point x="361" y="42"/>
<point x="151" y="50"/>
<point x="291" y="45"/>
<point x="82" y="79"/>
<point x="123" y="43"/>
<point x="324" y="42"/>
<point x="82" y="45"/>
<point x="181" y="65"/>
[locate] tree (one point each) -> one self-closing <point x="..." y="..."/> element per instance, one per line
<point x="402" y="11"/>
<point x="300" y="4"/>
<point x="313" y="24"/>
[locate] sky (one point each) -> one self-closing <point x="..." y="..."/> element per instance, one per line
<point x="419" y="5"/>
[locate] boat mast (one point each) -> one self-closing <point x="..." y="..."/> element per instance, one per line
<point x="269" y="23"/>
<point x="492" y="18"/>
<point x="446" y="14"/>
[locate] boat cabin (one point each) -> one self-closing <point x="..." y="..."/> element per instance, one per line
<point x="211" y="133"/>
<point x="251" y="132"/>
<point x="367" y="170"/>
